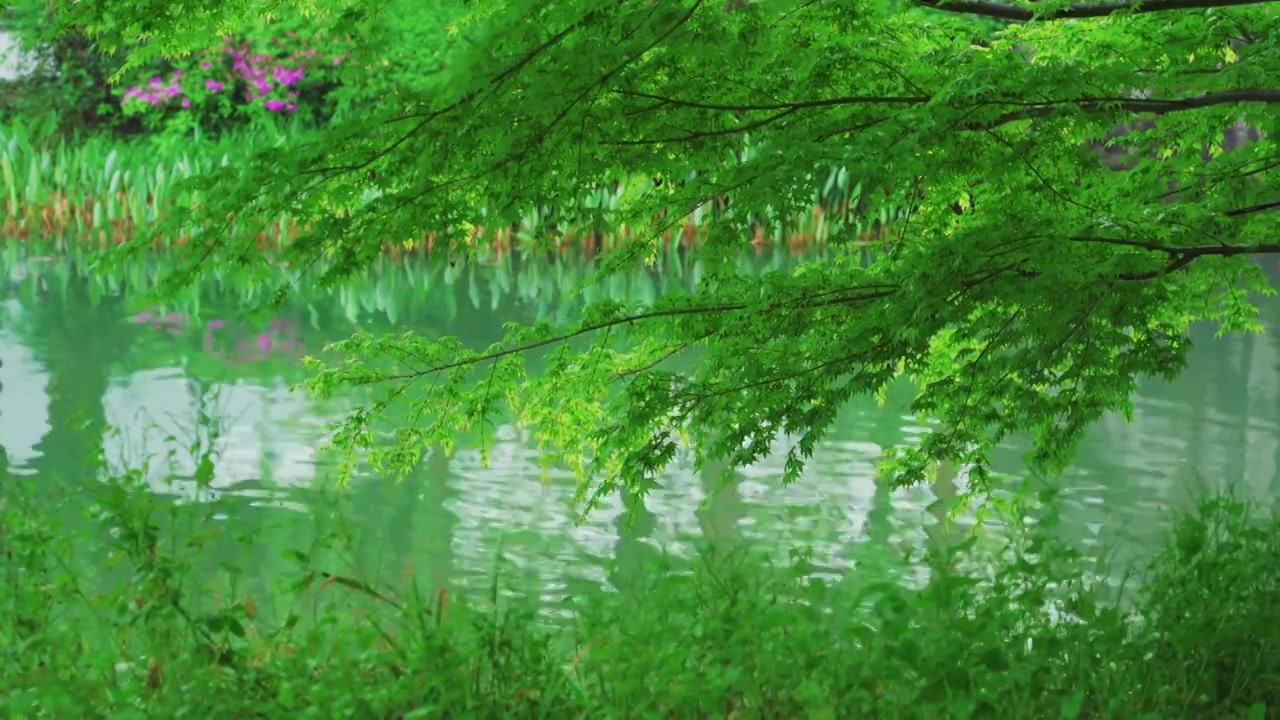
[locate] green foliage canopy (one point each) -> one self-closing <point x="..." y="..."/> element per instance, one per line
<point x="1026" y="290"/>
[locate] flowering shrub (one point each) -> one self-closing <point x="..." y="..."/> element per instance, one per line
<point x="233" y="79"/>
<point x="289" y="68"/>
<point x="293" y="68"/>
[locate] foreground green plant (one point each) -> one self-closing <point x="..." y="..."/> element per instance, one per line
<point x="145" y="617"/>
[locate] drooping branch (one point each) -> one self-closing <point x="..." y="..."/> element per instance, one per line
<point x="1179" y="258"/>
<point x="1194" y="250"/>
<point x="1264" y="207"/>
<point x="1005" y="11"/>
<point x="1135" y="105"/>
<point x="1026" y="110"/>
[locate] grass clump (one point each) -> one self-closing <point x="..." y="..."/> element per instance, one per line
<point x="141" y="615"/>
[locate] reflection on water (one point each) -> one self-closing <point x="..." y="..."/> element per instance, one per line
<point x="24" y="415"/>
<point x="82" y="377"/>
<point x="154" y="413"/>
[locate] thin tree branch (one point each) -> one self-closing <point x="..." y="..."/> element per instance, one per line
<point x="1194" y="250"/>
<point x="1023" y="13"/>
<point x="1026" y="111"/>
<point x="1253" y="209"/>
<point x="1180" y="258"/>
<point x="1133" y="105"/>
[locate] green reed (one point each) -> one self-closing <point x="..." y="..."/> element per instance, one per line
<point x="104" y="190"/>
<point x="100" y="189"/>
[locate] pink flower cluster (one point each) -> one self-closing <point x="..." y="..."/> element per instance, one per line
<point x="159" y="91"/>
<point x="270" y="78"/>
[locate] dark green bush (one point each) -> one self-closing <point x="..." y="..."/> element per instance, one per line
<point x="71" y="90"/>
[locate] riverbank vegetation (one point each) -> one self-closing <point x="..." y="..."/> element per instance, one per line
<point x="144" y="154"/>
<point x="153" y="609"/>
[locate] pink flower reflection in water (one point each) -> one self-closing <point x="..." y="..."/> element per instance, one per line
<point x="281" y="340"/>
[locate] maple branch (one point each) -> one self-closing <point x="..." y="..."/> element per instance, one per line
<point x="1253" y="209"/>
<point x="1022" y="13"/>
<point x="1181" y="257"/>
<point x="1028" y="110"/>
<point x="1132" y="105"/>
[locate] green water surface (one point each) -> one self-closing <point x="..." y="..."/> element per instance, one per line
<point x="89" y="373"/>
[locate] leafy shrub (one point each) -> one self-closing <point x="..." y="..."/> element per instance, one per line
<point x="281" y="67"/>
<point x="1211" y="612"/>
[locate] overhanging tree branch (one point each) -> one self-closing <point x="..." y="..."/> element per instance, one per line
<point x="1238" y="212"/>
<point x="1026" y="110"/>
<point x="1005" y="11"/>
<point x="1180" y="258"/>
<point x="1133" y="105"/>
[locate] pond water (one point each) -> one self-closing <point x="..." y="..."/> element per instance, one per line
<point x="87" y="372"/>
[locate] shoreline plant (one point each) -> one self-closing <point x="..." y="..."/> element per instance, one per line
<point x="105" y="191"/>
<point x="171" y="625"/>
